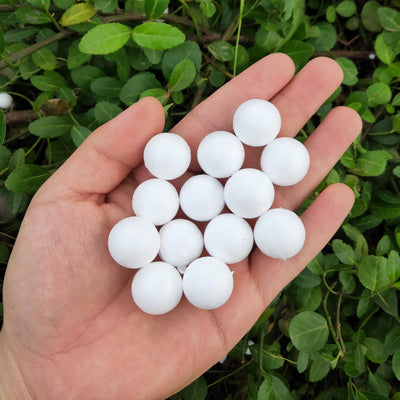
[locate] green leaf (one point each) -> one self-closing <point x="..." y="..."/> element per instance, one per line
<point x="79" y="134"/>
<point x="383" y="246"/>
<point x="222" y="50"/>
<point x="396" y="363"/>
<point x="104" y="111"/>
<point x="299" y="51"/>
<point x="208" y="7"/>
<point x="105" y="38"/>
<point x="197" y="390"/>
<point x="43" y="4"/>
<point x="51" y="127"/>
<point x="44" y="59"/>
<point x="387" y="300"/>
<point x="383" y="50"/>
<point x="350" y="71"/>
<point x="75" y="57"/>
<point x="346" y="8"/>
<point x="309" y="298"/>
<point x="49" y="81"/>
<point x="273" y="388"/>
<point x="136" y="85"/>
<point x="27" y="179"/>
<point x="372" y="163"/>
<point x="17" y="159"/>
<point x="77" y="13"/>
<point x="319" y="369"/>
<point x="107" y="87"/>
<point x="377" y="384"/>
<point x="83" y="76"/>
<point x="371" y="271"/>
<point x="326" y="39"/>
<point x="392" y="340"/>
<point x="375" y="350"/>
<point x="29" y="15"/>
<point x="155" y="8"/>
<point x="2" y="127"/>
<point x="157" y="35"/>
<point x="160" y="94"/>
<point x="5" y="155"/>
<point x="393" y="266"/>
<point x="64" y="4"/>
<point x="4" y="253"/>
<point x="182" y="76"/>
<point x="343" y="251"/>
<point x="106" y="5"/>
<point x="369" y="16"/>
<point x="308" y="331"/>
<point x="389" y="18"/>
<point x="302" y="361"/>
<point x="331" y="14"/>
<point x="18" y="35"/>
<point x="306" y="279"/>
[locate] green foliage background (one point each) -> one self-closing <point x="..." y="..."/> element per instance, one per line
<point x="334" y="332"/>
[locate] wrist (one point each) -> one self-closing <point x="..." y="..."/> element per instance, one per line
<point x="12" y="385"/>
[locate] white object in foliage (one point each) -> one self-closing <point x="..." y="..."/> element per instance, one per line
<point x="279" y="233"/>
<point x="133" y="242"/>
<point x="6" y="100"/>
<point x="157" y="288"/>
<point x="202" y="197"/>
<point x="181" y="243"/>
<point x="285" y="160"/>
<point x="220" y="154"/>
<point x="167" y="156"/>
<point x="156" y="200"/>
<point x="208" y="283"/>
<point x="256" y="122"/>
<point x="249" y="193"/>
<point x="229" y="238"/>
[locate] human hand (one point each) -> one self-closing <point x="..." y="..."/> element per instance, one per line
<point x="71" y="329"/>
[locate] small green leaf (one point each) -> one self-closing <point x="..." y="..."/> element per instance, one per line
<point x="372" y="163"/>
<point x="182" y="76"/>
<point x="308" y="331"/>
<point x="222" y="50"/>
<point x="346" y="8"/>
<point x="160" y="94"/>
<point x="197" y="390"/>
<point x="29" y="15"/>
<point x="309" y="298"/>
<point x="326" y="39"/>
<point x="27" y="179"/>
<point x="350" y="70"/>
<point x="343" y="251"/>
<point x="331" y="14"/>
<point x="371" y="271"/>
<point x="105" y="38"/>
<point x="208" y="7"/>
<point x="393" y="266"/>
<point x="384" y="52"/>
<point x="83" y="76"/>
<point x="319" y="369"/>
<point x="2" y="127"/>
<point x="49" y="81"/>
<point x="157" y="35"/>
<point x="389" y="18"/>
<point x="383" y="246"/>
<point x="396" y="363"/>
<point x="155" y="8"/>
<point x="79" y="134"/>
<point x="51" y="127"/>
<point x="369" y="16"/>
<point x="392" y="340"/>
<point x="302" y="361"/>
<point x="106" y="5"/>
<point x="75" y="57"/>
<point x="107" y="87"/>
<point x="136" y="85"/>
<point x="45" y="59"/>
<point x="42" y="4"/>
<point x="273" y="388"/>
<point x="105" y="111"/>
<point x="77" y="13"/>
<point x="299" y="51"/>
<point x="375" y="350"/>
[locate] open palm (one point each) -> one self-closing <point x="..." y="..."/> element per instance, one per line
<point x="71" y="329"/>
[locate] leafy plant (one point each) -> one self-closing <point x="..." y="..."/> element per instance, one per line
<point x="333" y="333"/>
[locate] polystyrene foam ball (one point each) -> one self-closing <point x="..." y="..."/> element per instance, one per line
<point x="207" y="283"/>
<point x="279" y="233"/>
<point x="6" y="100"/>
<point x="181" y="243"/>
<point x="156" y="200"/>
<point x="249" y="193"/>
<point x="157" y="288"/>
<point x="285" y="160"/>
<point x="202" y="197"/>
<point x="220" y="154"/>
<point x="167" y="156"/>
<point x="133" y="242"/>
<point x="229" y="238"/>
<point x="256" y="122"/>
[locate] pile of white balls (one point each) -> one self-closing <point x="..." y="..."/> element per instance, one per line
<point x="207" y="281"/>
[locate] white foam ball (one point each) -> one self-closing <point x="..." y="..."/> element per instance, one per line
<point x="202" y="197"/>
<point x="157" y="288"/>
<point x="156" y="200"/>
<point x="133" y="242"/>
<point x="208" y="283"/>
<point x="167" y="155"/>
<point x="220" y="154"/>
<point x="279" y="233"/>
<point x="256" y="122"/>
<point x="229" y="238"/>
<point x="249" y="193"/>
<point x="6" y="100"/>
<point x="181" y="242"/>
<point x="285" y="160"/>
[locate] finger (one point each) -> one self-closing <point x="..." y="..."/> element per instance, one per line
<point x="325" y="146"/>
<point x="107" y="156"/>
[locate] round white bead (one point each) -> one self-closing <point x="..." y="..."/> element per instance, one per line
<point x="202" y="197"/>
<point x="181" y="242"/>
<point x="249" y="193"/>
<point x="167" y="156"/>
<point x="157" y="288"/>
<point x="156" y="200"/>
<point x="279" y="233"/>
<point x="220" y="154"/>
<point x="256" y="122"/>
<point x="133" y="242"/>
<point x="207" y="283"/>
<point x="285" y="160"/>
<point x="229" y="238"/>
<point x="5" y="100"/>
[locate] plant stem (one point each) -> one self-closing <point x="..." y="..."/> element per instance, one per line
<point x="230" y="374"/>
<point x="238" y="36"/>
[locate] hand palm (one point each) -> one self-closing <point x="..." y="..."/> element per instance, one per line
<point x="68" y="308"/>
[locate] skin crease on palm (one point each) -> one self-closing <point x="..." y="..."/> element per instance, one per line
<point x="71" y="329"/>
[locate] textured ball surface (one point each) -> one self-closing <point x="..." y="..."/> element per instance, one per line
<point x="249" y="193"/>
<point x="229" y="238"/>
<point x="156" y="200"/>
<point x="285" y="160"/>
<point x="279" y="233"/>
<point x="181" y="242"/>
<point x="6" y="100"/>
<point x="202" y="197"/>
<point x="167" y="156"/>
<point x="220" y="154"/>
<point x="133" y="242"/>
<point x="256" y="122"/>
<point x="157" y="288"/>
<point x="207" y="283"/>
